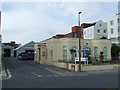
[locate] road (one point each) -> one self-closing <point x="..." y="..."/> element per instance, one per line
<point x="27" y="74"/>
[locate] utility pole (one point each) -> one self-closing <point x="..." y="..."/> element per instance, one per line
<point x="79" y="42"/>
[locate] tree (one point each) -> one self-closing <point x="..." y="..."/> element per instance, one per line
<point x="115" y="50"/>
<point x="72" y="51"/>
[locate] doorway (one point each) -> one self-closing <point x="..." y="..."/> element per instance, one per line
<point x="7" y="52"/>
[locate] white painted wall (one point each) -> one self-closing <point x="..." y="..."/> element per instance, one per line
<point x="0" y="45"/>
<point x="0" y="49"/>
<point x="114" y="26"/>
<point x="92" y="32"/>
<point x="88" y="33"/>
<point x="101" y="28"/>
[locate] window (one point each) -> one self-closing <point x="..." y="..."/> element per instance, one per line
<point x="111" y="22"/>
<point x="98" y="30"/>
<point x="118" y="38"/>
<point x="96" y="53"/>
<point x="118" y="20"/>
<point x="51" y="52"/>
<point x="100" y="25"/>
<point x="112" y="31"/>
<point x="105" y="31"/>
<point x="74" y="54"/>
<point x="64" y="53"/>
<point x="119" y="29"/>
<point x="75" y="35"/>
<point x="104" y="53"/>
<point x="87" y="52"/>
<point x="84" y="32"/>
<point x="46" y="53"/>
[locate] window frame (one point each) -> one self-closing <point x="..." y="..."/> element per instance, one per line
<point x="64" y="53"/>
<point x="112" y="31"/>
<point x="98" y="30"/>
<point x="111" y="22"/>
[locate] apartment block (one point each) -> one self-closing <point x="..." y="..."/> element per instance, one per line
<point x="113" y="27"/>
<point x="96" y="31"/>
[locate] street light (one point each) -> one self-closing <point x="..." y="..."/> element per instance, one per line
<point x="79" y="42"/>
<point x="79" y="18"/>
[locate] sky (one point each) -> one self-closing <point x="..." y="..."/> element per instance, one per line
<point x="36" y="21"/>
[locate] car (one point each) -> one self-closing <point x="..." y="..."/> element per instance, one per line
<point x="26" y="56"/>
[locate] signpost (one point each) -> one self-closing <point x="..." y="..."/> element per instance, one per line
<point x="82" y="51"/>
<point x="82" y="59"/>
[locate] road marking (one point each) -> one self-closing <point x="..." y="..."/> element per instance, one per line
<point x="43" y="75"/>
<point x="53" y="71"/>
<point x="37" y="74"/>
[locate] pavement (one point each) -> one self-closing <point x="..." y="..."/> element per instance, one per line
<point x="3" y="75"/>
<point x="66" y="72"/>
<point x="4" y="72"/>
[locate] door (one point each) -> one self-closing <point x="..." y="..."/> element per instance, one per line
<point x="7" y="52"/>
<point x="74" y="53"/>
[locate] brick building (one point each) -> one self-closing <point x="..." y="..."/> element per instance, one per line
<point x="76" y="31"/>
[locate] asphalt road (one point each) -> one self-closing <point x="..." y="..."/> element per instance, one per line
<point x="27" y="74"/>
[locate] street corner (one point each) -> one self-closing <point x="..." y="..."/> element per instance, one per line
<point x="54" y="71"/>
<point x="0" y="76"/>
<point x="6" y="74"/>
<point x="0" y="83"/>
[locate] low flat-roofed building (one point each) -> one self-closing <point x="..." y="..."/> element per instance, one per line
<point x="66" y="49"/>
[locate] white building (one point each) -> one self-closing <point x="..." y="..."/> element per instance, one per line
<point x="96" y="31"/>
<point x="0" y="40"/>
<point x="113" y="27"/>
<point x="0" y="50"/>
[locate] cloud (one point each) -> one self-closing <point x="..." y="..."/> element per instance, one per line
<point x="26" y="21"/>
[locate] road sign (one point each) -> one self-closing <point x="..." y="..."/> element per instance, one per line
<point x="82" y="50"/>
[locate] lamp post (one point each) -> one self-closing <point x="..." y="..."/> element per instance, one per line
<point x="79" y="42"/>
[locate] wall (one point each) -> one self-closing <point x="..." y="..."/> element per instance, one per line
<point x="56" y="45"/>
<point x="88" y="33"/>
<point x="8" y="47"/>
<point x="0" y="49"/>
<point x="114" y="26"/>
<point x="91" y="32"/>
<point x="101" y="28"/>
<point x="28" y="46"/>
<point x="101" y="44"/>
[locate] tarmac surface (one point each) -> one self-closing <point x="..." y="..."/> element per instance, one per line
<point x="56" y="70"/>
<point x="27" y="74"/>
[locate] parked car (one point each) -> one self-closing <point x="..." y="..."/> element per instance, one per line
<point x="26" y="56"/>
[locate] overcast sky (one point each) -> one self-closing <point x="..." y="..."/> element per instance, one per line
<point x="28" y="21"/>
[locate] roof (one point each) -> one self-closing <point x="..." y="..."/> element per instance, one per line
<point x="25" y="45"/>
